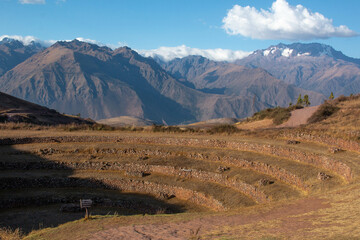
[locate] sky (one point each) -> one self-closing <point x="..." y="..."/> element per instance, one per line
<point x="218" y="29"/>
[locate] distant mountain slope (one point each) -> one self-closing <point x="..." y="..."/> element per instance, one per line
<point x="13" y="52"/>
<point x="312" y="66"/>
<point x="234" y="80"/>
<point x="13" y="109"/>
<point x="188" y="67"/>
<point x="97" y="82"/>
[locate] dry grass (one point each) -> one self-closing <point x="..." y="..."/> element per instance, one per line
<point x="344" y="122"/>
<point x="340" y="220"/>
<point x="81" y="229"/>
<point x="336" y="219"/>
<point x="9" y="234"/>
<point x="253" y="125"/>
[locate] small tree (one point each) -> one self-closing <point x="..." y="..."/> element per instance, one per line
<point x="306" y="100"/>
<point x="331" y="96"/>
<point x="290" y="104"/>
<point x="299" y="100"/>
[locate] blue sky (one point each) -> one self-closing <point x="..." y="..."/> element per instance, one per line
<point x="150" y="24"/>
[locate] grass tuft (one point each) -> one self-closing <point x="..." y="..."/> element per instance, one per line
<point x="9" y="234"/>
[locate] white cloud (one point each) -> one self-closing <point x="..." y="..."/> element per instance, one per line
<point x="32" y="1"/>
<point x="169" y="53"/>
<point x="88" y="40"/>
<point x="282" y="21"/>
<point x="164" y="53"/>
<point x="26" y="40"/>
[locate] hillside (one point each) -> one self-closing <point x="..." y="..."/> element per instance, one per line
<point x="312" y="66"/>
<point x="339" y="117"/>
<point x="233" y="80"/>
<point x="16" y="110"/>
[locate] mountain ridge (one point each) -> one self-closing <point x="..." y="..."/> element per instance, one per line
<point x="234" y="80"/>
<point x="97" y="82"/>
<point x="13" y="52"/>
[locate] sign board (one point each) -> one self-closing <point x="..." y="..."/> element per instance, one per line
<point x="85" y="203"/>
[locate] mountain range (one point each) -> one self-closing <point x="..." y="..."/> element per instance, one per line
<point x="235" y="80"/>
<point x="98" y="82"/>
<point x="312" y="66"/>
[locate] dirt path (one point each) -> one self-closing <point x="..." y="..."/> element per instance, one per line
<point x="299" y="116"/>
<point x="209" y="225"/>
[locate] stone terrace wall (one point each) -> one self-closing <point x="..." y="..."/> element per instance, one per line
<point x="240" y="186"/>
<point x="264" y="168"/>
<point x="285" y="152"/>
<point x="335" y="142"/>
<point x="130" y="185"/>
<point x="273" y="171"/>
<point x="310" y="158"/>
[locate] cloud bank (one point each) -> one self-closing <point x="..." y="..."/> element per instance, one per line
<point x="282" y="21"/>
<point x="88" y="40"/>
<point x="164" y="53"/>
<point x="169" y="53"/>
<point x="26" y="40"/>
<point x="32" y="1"/>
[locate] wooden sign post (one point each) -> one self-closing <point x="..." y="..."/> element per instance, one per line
<point x="86" y="203"/>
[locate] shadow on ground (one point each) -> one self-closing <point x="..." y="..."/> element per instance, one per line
<point x="36" y="193"/>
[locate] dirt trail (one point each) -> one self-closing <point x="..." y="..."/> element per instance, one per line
<point x="187" y="229"/>
<point x="299" y="116"/>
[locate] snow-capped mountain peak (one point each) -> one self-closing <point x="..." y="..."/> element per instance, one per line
<point x="295" y="50"/>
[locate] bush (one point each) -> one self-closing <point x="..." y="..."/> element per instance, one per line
<point x="278" y="114"/>
<point x="79" y="127"/>
<point x="173" y="129"/>
<point x="325" y="110"/>
<point x="226" y="128"/>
